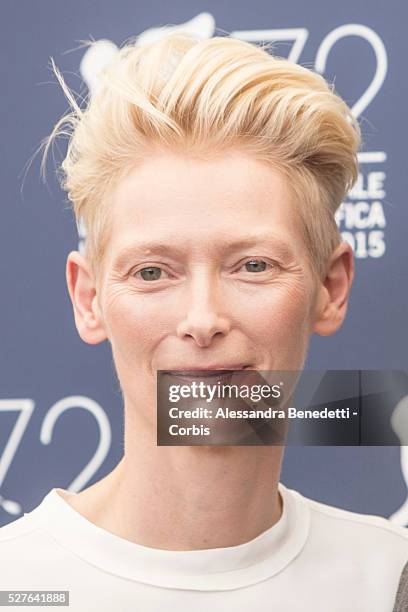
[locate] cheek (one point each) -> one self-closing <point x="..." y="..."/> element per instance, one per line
<point x="136" y="324"/>
<point x="281" y="325"/>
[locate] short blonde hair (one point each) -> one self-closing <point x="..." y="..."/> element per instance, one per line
<point x="204" y="97"/>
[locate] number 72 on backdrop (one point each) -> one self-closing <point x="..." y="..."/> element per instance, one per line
<point x="24" y="409"/>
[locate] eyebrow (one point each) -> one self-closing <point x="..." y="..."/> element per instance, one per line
<point x="167" y="248"/>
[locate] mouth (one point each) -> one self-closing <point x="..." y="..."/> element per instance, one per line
<point x="213" y="374"/>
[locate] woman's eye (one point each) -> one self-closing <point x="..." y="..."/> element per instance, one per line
<point x="150" y="273"/>
<point x="256" y="265"/>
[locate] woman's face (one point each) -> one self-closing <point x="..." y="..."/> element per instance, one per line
<point x="206" y="267"/>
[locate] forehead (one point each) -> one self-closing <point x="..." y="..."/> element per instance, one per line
<point x="181" y="200"/>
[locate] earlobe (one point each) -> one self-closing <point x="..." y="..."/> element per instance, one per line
<point x="329" y="320"/>
<point x="82" y="291"/>
<point x="334" y="292"/>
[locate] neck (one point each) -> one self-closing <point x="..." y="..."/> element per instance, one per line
<point x="186" y="498"/>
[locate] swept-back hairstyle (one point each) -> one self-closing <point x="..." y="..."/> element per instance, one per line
<point x="202" y="97"/>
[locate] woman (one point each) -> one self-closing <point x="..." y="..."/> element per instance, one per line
<point x="207" y="175"/>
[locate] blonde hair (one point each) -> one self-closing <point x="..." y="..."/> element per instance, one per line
<point x="206" y="96"/>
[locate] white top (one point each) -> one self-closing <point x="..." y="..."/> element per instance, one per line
<point x="316" y="558"/>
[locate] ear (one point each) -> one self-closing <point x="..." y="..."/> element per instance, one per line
<point x="334" y="291"/>
<point x="81" y="287"/>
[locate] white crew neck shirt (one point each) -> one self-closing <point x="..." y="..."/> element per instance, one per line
<point x="316" y="558"/>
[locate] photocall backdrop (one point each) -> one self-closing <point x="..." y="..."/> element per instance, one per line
<point x="61" y="414"/>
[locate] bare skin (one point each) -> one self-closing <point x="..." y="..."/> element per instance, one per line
<point x="203" y="306"/>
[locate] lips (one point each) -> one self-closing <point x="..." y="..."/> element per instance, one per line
<point x="209" y="376"/>
<point x="214" y="367"/>
<point x="204" y="374"/>
<point x="213" y="372"/>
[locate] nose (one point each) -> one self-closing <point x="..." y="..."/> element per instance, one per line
<point x="204" y="319"/>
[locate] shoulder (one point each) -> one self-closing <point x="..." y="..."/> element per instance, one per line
<point x="31" y="525"/>
<point x="17" y="530"/>
<point x="345" y="533"/>
<point x="355" y="522"/>
<point x="26" y="535"/>
<point x="27" y="551"/>
<point x="21" y="545"/>
<point x="362" y="553"/>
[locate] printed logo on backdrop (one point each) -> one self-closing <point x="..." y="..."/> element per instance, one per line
<point x="24" y="408"/>
<point x="361" y="220"/>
